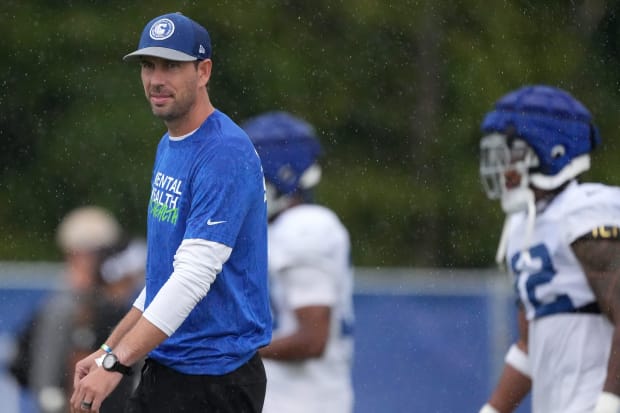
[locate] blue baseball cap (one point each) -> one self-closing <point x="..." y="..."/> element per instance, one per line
<point x="173" y="36"/>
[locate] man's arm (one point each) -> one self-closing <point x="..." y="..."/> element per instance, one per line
<point x="138" y="341"/>
<point x="141" y="336"/>
<point x="514" y="382"/>
<point x="308" y="341"/>
<point x="84" y="366"/>
<point x="123" y="327"/>
<point x="196" y="265"/>
<point x="600" y="259"/>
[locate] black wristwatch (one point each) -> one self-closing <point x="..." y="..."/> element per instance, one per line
<point x="110" y="363"/>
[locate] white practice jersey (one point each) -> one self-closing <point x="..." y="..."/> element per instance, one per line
<point x="309" y="264"/>
<point x="569" y="341"/>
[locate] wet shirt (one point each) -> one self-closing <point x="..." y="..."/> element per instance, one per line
<point x="309" y="264"/>
<point x="209" y="186"/>
<point x="569" y="340"/>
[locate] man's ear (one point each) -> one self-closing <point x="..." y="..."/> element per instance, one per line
<point x="204" y="70"/>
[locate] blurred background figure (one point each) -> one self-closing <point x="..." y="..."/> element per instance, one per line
<point x="121" y="274"/>
<point x="102" y="271"/>
<point x="309" y="360"/>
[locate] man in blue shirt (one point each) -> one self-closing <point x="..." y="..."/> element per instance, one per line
<point x="204" y="311"/>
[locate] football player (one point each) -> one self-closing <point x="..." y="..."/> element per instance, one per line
<point x="308" y="362"/>
<point x="560" y="243"/>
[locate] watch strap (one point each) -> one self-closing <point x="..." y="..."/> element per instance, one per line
<point x="121" y="368"/>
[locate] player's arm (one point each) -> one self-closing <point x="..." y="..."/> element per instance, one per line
<point x="599" y="254"/>
<point x="308" y="341"/>
<point x="514" y="382"/>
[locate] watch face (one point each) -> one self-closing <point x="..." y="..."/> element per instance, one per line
<point x="109" y="361"/>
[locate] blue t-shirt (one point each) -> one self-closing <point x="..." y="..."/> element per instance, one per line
<point x="210" y="186"/>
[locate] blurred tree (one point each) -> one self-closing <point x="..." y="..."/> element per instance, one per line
<point x="396" y="89"/>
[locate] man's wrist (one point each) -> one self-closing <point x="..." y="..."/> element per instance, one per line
<point x="110" y="362"/>
<point x="99" y="360"/>
<point x="106" y="348"/>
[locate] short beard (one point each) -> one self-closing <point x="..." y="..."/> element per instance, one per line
<point x="176" y="112"/>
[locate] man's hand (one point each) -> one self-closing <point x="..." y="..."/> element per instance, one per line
<point x="85" y="366"/>
<point x="93" y="388"/>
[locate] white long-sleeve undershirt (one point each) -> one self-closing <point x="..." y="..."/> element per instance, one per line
<point x="196" y="264"/>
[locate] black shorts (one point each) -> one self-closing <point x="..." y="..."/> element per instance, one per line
<point x="163" y="390"/>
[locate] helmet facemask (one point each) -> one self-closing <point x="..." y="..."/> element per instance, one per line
<point x="505" y="166"/>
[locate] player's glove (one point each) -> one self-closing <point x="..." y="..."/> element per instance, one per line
<point x="607" y="403"/>
<point x="487" y="408"/>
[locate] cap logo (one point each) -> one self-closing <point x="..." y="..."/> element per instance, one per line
<point x="162" y="29"/>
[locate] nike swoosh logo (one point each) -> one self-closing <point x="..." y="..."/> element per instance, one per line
<point x="209" y="222"/>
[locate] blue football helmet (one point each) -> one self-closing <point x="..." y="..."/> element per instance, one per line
<point x="535" y="137"/>
<point x="289" y="149"/>
<point x="540" y="132"/>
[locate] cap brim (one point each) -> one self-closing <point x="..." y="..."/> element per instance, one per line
<point x="162" y="52"/>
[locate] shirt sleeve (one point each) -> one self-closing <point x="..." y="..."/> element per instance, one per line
<point x="309" y="250"/>
<point x="222" y="190"/>
<point x="309" y="286"/>
<point x="140" y="300"/>
<point x="196" y="266"/>
<point x="601" y="209"/>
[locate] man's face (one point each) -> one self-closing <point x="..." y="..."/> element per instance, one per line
<point x="505" y="164"/>
<point x="81" y="269"/>
<point x="171" y="87"/>
<point x="518" y="165"/>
